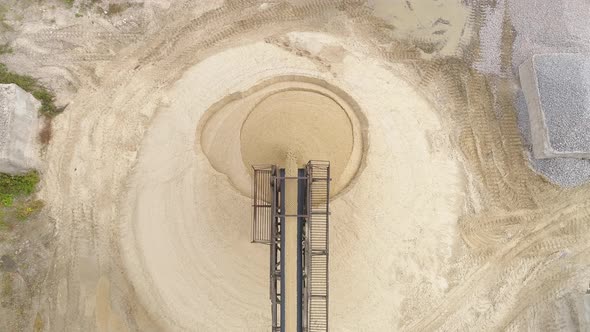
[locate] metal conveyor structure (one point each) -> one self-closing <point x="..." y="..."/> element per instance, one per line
<point x="269" y="219"/>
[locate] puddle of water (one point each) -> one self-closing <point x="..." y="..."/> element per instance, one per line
<point x="439" y="23"/>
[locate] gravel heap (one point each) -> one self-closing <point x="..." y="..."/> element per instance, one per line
<point x="558" y="94"/>
<point x="552" y="27"/>
<point x="18" y="130"/>
<point x="564" y="85"/>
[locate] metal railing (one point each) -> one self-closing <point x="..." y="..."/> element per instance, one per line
<point x="277" y="255"/>
<point x="313" y="248"/>
<point x="317" y="245"/>
<point x="262" y="195"/>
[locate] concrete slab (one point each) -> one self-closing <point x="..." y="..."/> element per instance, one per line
<point x="19" y="127"/>
<point x="557" y="91"/>
<point x="584" y="312"/>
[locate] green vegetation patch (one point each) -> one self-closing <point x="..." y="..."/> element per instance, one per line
<point x="3" y="224"/>
<point x="6" y="285"/>
<point x="38" y="326"/>
<point x="27" y="208"/>
<point x="16" y="203"/>
<point x="6" y="200"/>
<point x="5" y="49"/>
<point x="19" y="184"/>
<point x="32" y="86"/>
<point x="118" y="8"/>
<point x="3" y="25"/>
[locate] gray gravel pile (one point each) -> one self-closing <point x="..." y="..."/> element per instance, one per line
<point x="490" y="54"/>
<point x="556" y="26"/>
<point x="559" y="26"/>
<point x="567" y="172"/>
<point x="564" y="86"/>
<point x="19" y="126"/>
<point x="557" y="89"/>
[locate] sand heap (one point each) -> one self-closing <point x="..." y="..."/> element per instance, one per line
<point x="188" y="245"/>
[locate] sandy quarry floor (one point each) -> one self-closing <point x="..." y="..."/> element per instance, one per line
<point x="440" y="224"/>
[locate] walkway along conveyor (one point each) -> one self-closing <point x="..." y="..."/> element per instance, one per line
<point x="291" y="215"/>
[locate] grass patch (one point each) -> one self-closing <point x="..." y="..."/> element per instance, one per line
<point x="3" y="25"/>
<point x="69" y="3"/>
<point x="3" y="224"/>
<point x="116" y="8"/>
<point x="16" y="203"/>
<point x="5" y="49"/>
<point x="31" y="85"/>
<point x="27" y="208"/>
<point x="6" y="200"/>
<point x="38" y="326"/>
<point x="6" y="285"/>
<point x="19" y="184"/>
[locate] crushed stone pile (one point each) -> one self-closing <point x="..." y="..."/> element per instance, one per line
<point x="554" y="116"/>
<point x="557" y="90"/>
<point x="566" y="32"/>
<point x="18" y="130"/>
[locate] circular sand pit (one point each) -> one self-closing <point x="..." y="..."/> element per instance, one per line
<point x="306" y="116"/>
<point x="309" y="124"/>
